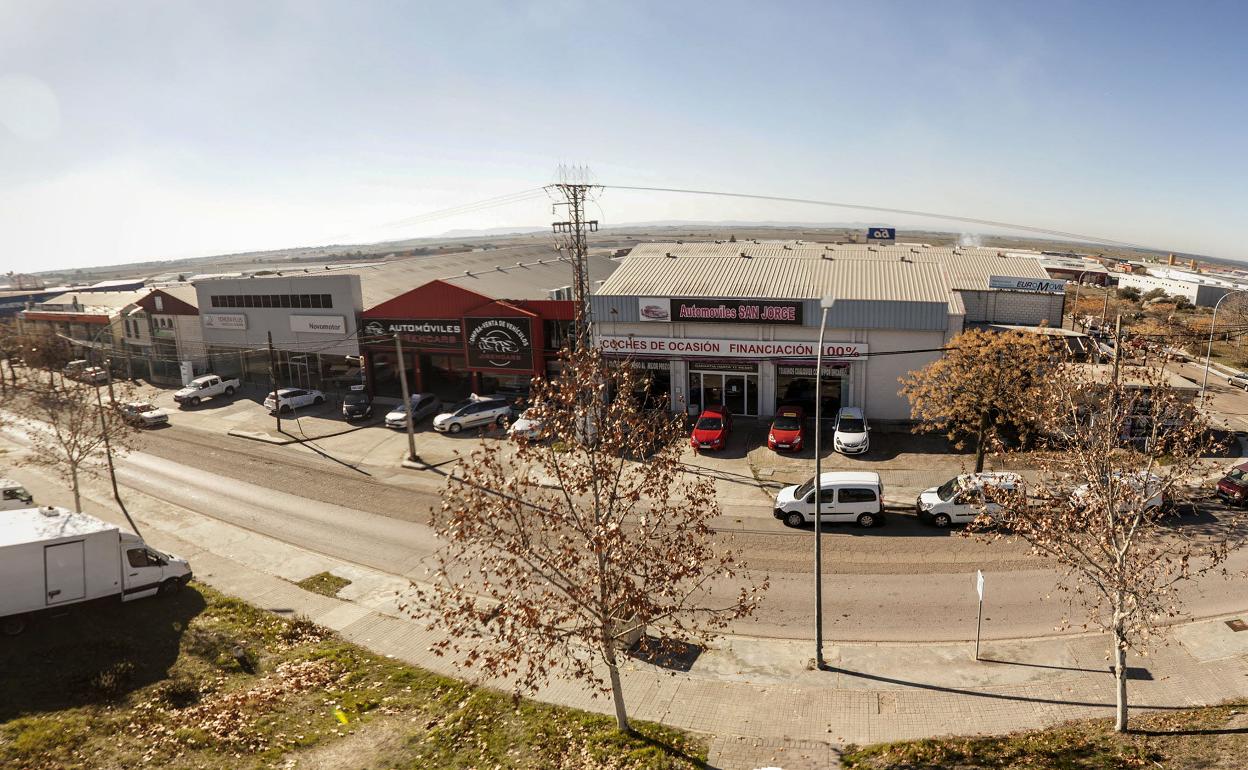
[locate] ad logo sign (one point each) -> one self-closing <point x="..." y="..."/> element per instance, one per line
<point x="499" y="343"/>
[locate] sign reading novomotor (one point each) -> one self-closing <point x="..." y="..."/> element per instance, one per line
<point x="670" y="346"/>
<point x="499" y="343"/>
<point x="748" y="311"/>
<point x="424" y="332"/>
<point x="318" y="324"/>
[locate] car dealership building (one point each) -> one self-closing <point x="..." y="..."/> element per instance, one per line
<point x="738" y="323"/>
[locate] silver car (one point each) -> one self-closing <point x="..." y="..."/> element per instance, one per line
<point x="477" y="411"/>
<point x="423" y="405"/>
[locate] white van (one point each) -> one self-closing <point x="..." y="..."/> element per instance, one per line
<point x="961" y="499"/>
<point x="847" y="496"/>
<point x="13" y="496"/>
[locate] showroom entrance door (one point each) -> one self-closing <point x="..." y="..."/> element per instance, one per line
<point x="738" y="392"/>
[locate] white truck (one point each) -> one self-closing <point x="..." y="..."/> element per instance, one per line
<point x="208" y="386"/>
<point x="51" y="558"/>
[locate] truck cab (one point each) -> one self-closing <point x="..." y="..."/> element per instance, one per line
<point x="145" y="570"/>
<point x="14" y="496"/>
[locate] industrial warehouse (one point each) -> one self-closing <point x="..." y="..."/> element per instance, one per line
<point x="739" y="323"/>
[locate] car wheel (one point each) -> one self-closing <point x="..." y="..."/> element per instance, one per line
<point x="318" y="401"/>
<point x="794" y="519"/>
<point x="169" y="587"/>
<point x="501" y="421"/>
<point x="941" y="520"/>
<point x="13" y="625"/>
<point x="194" y="401"/>
<point x="454" y="427"/>
<point x="229" y="391"/>
<point x="285" y="409"/>
<point x="867" y="520"/>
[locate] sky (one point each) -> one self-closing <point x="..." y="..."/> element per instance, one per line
<point x="150" y="129"/>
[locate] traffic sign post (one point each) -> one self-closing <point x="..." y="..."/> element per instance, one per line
<point x="979" y="623"/>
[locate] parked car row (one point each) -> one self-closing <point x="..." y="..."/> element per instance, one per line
<point x="787" y="431"/>
<point x="856" y="496"/>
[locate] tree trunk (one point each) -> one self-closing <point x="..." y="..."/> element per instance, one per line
<point x="1120" y="678"/>
<point x="617" y="689"/>
<point x="981" y="439"/>
<point x="73" y="475"/>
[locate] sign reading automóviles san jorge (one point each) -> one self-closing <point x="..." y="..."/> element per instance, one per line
<point x="670" y="346"/>
<point x="749" y="311"/>
<point x="499" y="343"/>
<point x="423" y="332"/>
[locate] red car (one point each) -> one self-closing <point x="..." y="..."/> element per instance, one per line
<point x="712" y="429"/>
<point x="1233" y="488"/>
<point x="786" y="430"/>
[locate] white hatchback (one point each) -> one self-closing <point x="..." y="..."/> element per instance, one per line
<point x="289" y="399"/>
<point x="850" y="435"/>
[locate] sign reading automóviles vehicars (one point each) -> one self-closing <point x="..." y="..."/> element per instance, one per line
<point x="424" y="332"/>
<point x="318" y="324"/>
<point x="1038" y="285"/>
<point x="226" y="321"/>
<point x="499" y="343"/>
<point x="671" y="346"/>
<point x="749" y="311"/>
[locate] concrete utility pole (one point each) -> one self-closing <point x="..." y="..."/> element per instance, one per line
<point x="574" y="188"/>
<point x="277" y="405"/>
<point x="407" y="399"/>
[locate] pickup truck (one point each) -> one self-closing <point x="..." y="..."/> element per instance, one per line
<point x="208" y="386"/>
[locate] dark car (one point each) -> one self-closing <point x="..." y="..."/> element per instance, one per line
<point x="1233" y="488"/>
<point x="357" y="405"/>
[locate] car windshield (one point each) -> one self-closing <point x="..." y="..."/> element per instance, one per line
<point x="144" y="408"/>
<point x="851" y="425"/>
<point x="356" y="398"/>
<point x="787" y="422"/>
<point x="947" y="490"/>
<point x="804" y="489"/>
<point x="1236" y="474"/>
<point x="461" y="405"/>
<point x="710" y="423"/>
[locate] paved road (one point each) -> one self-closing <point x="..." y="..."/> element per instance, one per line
<point x="903" y="582"/>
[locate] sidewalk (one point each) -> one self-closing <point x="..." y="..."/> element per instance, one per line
<point x="755" y="695"/>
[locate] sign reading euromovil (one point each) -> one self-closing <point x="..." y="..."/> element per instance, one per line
<point x="671" y="346"/>
<point x="1039" y="285"/>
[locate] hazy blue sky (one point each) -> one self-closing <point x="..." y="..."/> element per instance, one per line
<point x="135" y="130"/>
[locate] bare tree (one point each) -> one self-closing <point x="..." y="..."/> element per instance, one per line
<point x="561" y="550"/>
<point x="71" y="427"/>
<point x="984" y="382"/>
<point x="1104" y="509"/>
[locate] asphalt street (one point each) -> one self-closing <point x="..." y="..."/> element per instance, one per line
<point x="905" y="582"/>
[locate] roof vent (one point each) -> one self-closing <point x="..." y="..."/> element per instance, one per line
<point x="680" y="243"/>
<point x="468" y="273"/>
<point x="914" y="251"/>
<point x="746" y="256"/>
<point x="787" y="247"/>
<point x="826" y="256"/>
<point x="48" y="510"/>
<point x="872" y="248"/>
<point x="670" y="255"/>
<point x="519" y="264"/>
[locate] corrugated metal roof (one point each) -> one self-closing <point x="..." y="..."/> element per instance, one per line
<point x="104" y="300"/>
<point x="541" y="269"/>
<point x="775" y="277"/>
<point x="966" y="267"/>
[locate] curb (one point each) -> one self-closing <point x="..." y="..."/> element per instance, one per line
<point x="269" y="438"/>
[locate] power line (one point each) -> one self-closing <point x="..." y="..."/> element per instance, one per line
<point x="888" y="210"/>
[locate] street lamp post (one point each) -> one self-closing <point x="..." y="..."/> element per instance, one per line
<point x="1213" y="325"/>
<point x="825" y="304"/>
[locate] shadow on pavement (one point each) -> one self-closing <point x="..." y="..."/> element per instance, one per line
<point x="672" y="655"/>
<point x="1132" y="673"/>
